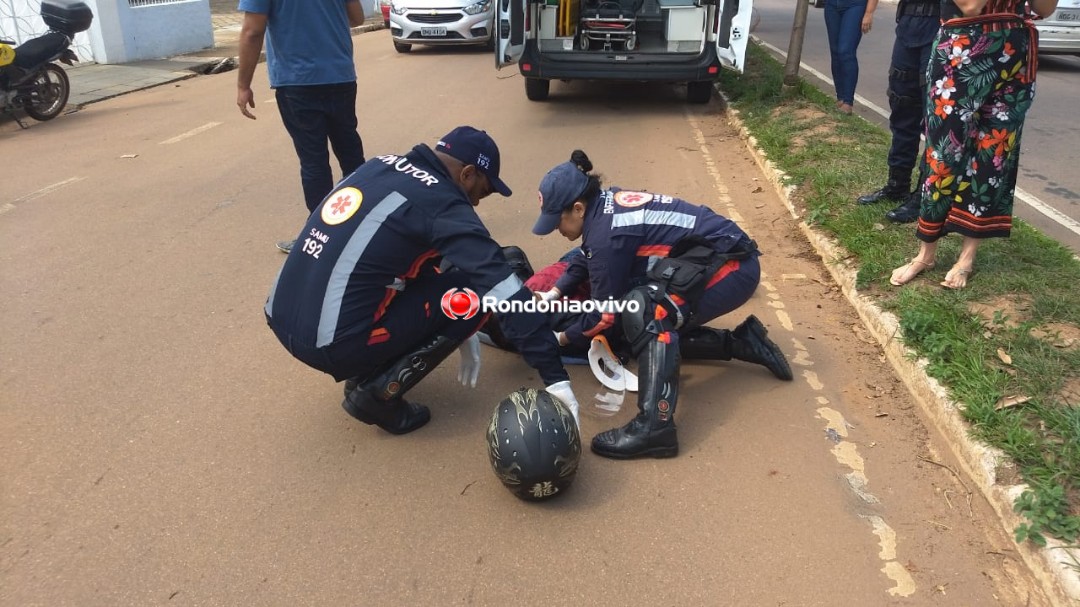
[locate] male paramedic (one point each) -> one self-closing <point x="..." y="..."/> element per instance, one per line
<point x="362" y="294"/>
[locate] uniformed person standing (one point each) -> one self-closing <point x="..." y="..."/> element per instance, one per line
<point x="365" y="294"/>
<point x="917" y="22"/>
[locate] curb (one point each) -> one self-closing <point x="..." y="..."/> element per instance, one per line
<point x="980" y="463"/>
<point x="72" y="108"/>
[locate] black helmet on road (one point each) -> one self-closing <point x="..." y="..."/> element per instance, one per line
<point x="533" y="444"/>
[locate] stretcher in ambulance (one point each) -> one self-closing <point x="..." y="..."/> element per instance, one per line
<point x="681" y="41"/>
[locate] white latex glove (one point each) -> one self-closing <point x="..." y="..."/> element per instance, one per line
<point x="548" y="295"/>
<point x="565" y="393"/>
<point x="470" y="361"/>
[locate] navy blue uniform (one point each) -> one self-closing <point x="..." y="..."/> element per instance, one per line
<point x="625" y="232"/>
<point x="917" y="22"/>
<point x="362" y="285"/>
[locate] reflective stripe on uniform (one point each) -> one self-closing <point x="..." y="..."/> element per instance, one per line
<point x="607" y="320"/>
<point x="346" y="263"/>
<point x="507" y="287"/>
<point x="270" y="300"/>
<point x="648" y="217"/>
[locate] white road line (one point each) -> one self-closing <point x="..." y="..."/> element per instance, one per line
<point x="47" y="190"/>
<point x="191" y="133"/>
<point x="9" y="206"/>
<point x="1051" y="213"/>
<point x="1031" y="200"/>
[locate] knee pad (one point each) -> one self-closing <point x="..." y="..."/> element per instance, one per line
<point x="896" y="75"/>
<point x="902" y="101"/>
<point x="654" y="315"/>
<point x="401" y="375"/>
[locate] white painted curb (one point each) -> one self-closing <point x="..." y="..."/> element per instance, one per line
<point x="1049" y="565"/>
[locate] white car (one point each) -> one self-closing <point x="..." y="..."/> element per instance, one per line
<point x="441" y="22"/>
<point x="1059" y="33"/>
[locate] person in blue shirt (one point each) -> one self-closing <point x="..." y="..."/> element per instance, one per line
<point x="680" y="263"/>
<point x="309" y="57"/>
<point x="367" y="293"/>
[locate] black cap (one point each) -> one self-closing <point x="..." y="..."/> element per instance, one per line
<point x="477" y="148"/>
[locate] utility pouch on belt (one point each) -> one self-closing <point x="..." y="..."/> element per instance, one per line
<point x="690" y="264"/>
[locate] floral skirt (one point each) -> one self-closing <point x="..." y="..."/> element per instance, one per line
<point x="980" y="86"/>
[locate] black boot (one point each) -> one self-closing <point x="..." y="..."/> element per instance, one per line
<point x="907" y="212"/>
<point x="749" y="342"/>
<point x="379" y="401"/>
<point x="652" y="432"/>
<point x="396" y="416"/>
<point x="895" y="189"/>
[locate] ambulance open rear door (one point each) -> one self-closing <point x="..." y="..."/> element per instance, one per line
<point x="732" y="31"/>
<point x="510" y="29"/>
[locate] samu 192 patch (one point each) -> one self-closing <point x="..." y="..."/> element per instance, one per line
<point x="341" y="205"/>
<point x="630" y="200"/>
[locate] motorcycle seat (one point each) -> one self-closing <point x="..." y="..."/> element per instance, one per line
<point x="36" y="51"/>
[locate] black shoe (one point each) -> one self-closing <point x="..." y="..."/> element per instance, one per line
<point x="905" y="213"/>
<point x="752" y="344"/>
<point x="351" y="384"/>
<point x="884" y="194"/>
<point x="285" y="246"/>
<point x="637" y="439"/>
<point x="396" y="416"/>
<point x="896" y="189"/>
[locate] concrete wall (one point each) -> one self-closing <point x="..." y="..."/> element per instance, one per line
<point x="170" y="29"/>
<point x="122" y="33"/>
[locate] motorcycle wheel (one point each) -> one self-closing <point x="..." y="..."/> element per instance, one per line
<point x="48" y="94"/>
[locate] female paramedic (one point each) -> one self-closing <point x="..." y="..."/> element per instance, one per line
<point x="682" y="263"/>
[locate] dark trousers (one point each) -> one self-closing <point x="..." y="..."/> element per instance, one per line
<point x="410" y="320"/>
<point x="728" y="289"/>
<point x="312" y="116"/>
<point x="907" y="87"/>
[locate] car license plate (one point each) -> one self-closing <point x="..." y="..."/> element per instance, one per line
<point x="432" y="31"/>
<point x="1067" y="15"/>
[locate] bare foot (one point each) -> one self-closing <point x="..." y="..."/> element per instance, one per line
<point x="956" y="278"/>
<point x="905" y="273"/>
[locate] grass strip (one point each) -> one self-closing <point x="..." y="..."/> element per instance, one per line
<point x="1007" y="347"/>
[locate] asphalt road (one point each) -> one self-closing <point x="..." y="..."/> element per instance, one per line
<point x="1048" y="193"/>
<point x="160" y="447"/>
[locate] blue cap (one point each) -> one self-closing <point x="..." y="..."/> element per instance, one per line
<point x="477" y="148"/>
<point x="559" y="189"/>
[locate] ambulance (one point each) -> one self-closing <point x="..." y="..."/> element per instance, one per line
<point x="679" y="41"/>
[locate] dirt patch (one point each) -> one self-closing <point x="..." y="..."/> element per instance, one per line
<point x="816" y="126"/>
<point x="1011" y="311"/>
<point x="1007" y="310"/>
<point x="1070" y="393"/>
<point x="1060" y="335"/>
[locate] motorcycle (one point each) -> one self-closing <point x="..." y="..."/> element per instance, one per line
<point x="30" y="79"/>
